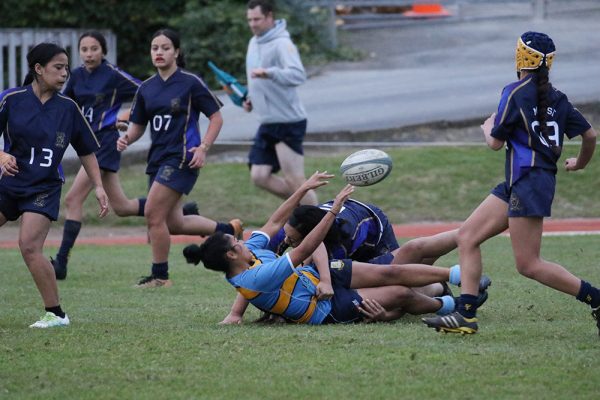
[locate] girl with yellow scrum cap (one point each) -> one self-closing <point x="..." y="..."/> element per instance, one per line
<point x="532" y="119"/>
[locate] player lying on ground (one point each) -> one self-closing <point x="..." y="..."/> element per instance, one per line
<point x="307" y="292"/>
<point x="360" y="233"/>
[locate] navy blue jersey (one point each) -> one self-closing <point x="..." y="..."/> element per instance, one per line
<point x="37" y="135"/>
<point x="101" y="93"/>
<point x="363" y="228"/>
<point x="516" y="123"/>
<point x="172" y="108"/>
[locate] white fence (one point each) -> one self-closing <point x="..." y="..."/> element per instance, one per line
<point x="15" y="43"/>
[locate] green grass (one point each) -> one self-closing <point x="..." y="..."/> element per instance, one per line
<point x="166" y="344"/>
<point x="426" y="184"/>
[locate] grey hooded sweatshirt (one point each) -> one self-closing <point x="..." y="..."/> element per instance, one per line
<point x="275" y="98"/>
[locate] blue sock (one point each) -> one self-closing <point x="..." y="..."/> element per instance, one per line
<point x="467" y="306"/>
<point x="141" y="206"/>
<point x="70" y="233"/>
<point x="224" y="227"/>
<point x="448" y="305"/>
<point x="454" y="275"/>
<point x="160" y="270"/>
<point x="588" y="294"/>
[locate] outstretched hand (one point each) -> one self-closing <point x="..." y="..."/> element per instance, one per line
<point x="317" y="179"/>
<point x="341" y="197"/>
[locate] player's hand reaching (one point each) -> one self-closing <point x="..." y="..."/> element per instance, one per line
<point x="341" y="197"/>
<point x="317" y="180"/>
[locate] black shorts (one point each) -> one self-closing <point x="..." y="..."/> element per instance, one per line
<point x="268" y="135"/>
<point x="345" y="301"/>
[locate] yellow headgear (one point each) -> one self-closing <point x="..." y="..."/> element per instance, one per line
<point x="529" y="58"/>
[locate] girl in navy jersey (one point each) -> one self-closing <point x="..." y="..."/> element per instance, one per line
<point x="100" y="89"/>
<point x="38" y="123"/>
<point x="361" y="232"/>
<point x="171" y="102"/>
<point x="532" y="119"/>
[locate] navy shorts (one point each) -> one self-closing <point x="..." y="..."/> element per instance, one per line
<point x="46" y="202"/>
<point x="180" y="180"/>
<point x="109" y="158"/>
<point x="268" y="135"/>
<point x="530" y="196"/>
<point x="345" y="301"/>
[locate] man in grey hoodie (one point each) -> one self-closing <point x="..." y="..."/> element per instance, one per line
<point x="274" y="70"/>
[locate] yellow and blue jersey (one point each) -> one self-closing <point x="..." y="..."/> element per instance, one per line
<point x="37" y="135"/>
<point x="273" y="284"/>
<point x="172" y="108"/>
<point x="517" y="124"/>
<point x="101" y="93"/>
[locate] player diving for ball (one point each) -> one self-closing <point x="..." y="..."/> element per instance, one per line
<point x="302" y="287"/>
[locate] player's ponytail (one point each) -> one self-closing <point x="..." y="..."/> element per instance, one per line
<point x="543" y="102"/>
<point x="211" y="252"/>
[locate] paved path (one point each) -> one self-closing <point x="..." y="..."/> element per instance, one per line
<point x="115" y="236"/>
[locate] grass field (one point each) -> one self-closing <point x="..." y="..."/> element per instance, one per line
<point x="166" y="344"/>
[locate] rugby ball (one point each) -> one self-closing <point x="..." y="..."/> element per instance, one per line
<point x="366" y="167"/>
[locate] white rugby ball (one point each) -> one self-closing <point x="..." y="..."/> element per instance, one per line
<point x="366" y="167"/>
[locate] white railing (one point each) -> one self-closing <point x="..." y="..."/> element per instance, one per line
<point x="15" y="43"/>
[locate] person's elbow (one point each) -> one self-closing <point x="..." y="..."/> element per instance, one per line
<point x="590" y="135"/>
<point x="494" y="143"/>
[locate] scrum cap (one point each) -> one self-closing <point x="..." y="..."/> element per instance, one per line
<point x="534" y="49"/>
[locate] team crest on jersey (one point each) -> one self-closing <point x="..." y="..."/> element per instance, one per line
<point x="175" y="105"/>
<point x="166" y="172"/>
<point x="515" y="203"/>
<point x="40" y="200"/>
<point x="61" y="140"/>
<point x="336" y="264"/>
<point x="99" y="99"/>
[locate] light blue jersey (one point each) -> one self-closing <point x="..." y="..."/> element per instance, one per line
<point x="272" y="284"/>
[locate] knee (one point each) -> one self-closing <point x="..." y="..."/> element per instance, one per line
<point x="28" y="251"/>
<point x="403" y="295"/>
<point x="527" y="268"/>
<point x="153" y="217"/>
<point x="466" y="239"/>
<point x="413" y="249"/>
<point x="72" y="201"/>
<point x="259" y="178"/>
